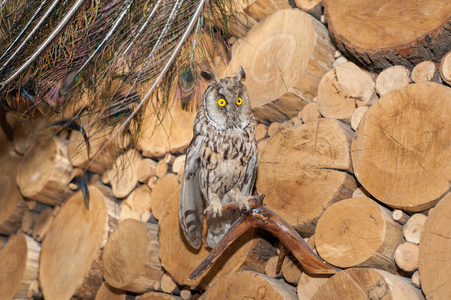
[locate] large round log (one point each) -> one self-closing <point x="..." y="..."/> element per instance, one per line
<point x="71" y="264"/>
<point x="358" y="232"/>
<point x="249" y="285"/>
<point x="367" y="284"/>
<point x="19" y="261"/>
<point x="130" y="257"/>
<point x="304" y="169"/>
<point x="435" y="257"/>
<point x="401" y="151"/>
<point x="11" y="202"/>
<point x="45" y="172"/>
<point x="281" y="85"/>
<point x="385" y="33"/>
<point x="248" y="252"/>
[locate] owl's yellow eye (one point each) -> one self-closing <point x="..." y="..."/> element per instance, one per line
<point x="221" y="102"/>
<point x="239" y="101"/>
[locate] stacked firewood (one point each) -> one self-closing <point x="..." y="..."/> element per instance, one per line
<point x="354" y="153"/>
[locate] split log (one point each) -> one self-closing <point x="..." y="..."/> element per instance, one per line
<point x="166" y="188"/>
<point x="426" y="71"/>
<point x="19" y="261"/>
<point x="28" y="221"/>
<point x="130" y="257"/>
<point x="157" y="296"/>
<point x="378" y="37"/>
<point x="406" y="256"/>
<point x="11" y="202"/>
<point x="136" y="204"/>
<point x="168" y="285"/>
<point x="248" y="252"/>
<point x="107" y="292"/>
<point x="260" y="132"/>
<point x="98" y="136"/>
<point x="409" y="170"/>
<point x="45" y="172"/>
<point x="312" y="7"/>
<point x="367" y="284"/>
<point x="435" y="257"/>
<point x="357" y="116"/>
<point x="124" y="178"/>
<point x="413" y="228"/>
<point x="249" y="285"/>
<point x="170" y="131"/>
<point x="400" y="216"/>
<point x="279" y="87"/>
<point x="343" y="89"/>
<point x="146" y="169"/>
<point x="393" y="78"/>
<point x="358" y="232"/>
<point x="43" y="223"/>
<point x="295" y="174"/>
<point x="75" y="240"/>
<point x="445" y="68"/>
<point x="309" y="112"/>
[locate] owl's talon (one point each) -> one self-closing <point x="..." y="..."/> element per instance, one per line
<point x="243" y="204"/>
<point x="215" y="208"/>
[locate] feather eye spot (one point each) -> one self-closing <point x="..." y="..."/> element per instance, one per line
<point x="239" y="101"/>
<point x="222" y="102"/>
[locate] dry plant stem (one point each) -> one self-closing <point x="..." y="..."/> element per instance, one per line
<point x="260" y="216"/>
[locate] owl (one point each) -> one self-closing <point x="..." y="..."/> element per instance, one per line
<point x="221" y="160"/>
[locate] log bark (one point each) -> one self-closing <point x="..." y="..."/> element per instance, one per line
<point x="312" y="7"/>
<point x="12" y="204"/>
<point x="107" y="292"/>
<point x="367" y="284"/>
<point x="358" y="232"/>
<point x="378" y="37"/>
<point x="130" y="257"/>
<point x="19" y="262"/>
<point x="426" y="71"/>
<point x="435" y="257"/>
<point x="74" y="241"/>
<point x="410" y="169"/>
<point x="279" y="87"/>
<point x="406" y="256"/>
<point x="249" y="285"/>
<point x="136" y="204"/>
<point x="249" y="252"/>
<point x="393" y="78"/>
<point x="98" y="137"/>
<point x="445" y="68"/>
<point x="294" y="175"/>
<point x="43" y="223"/>
<point x="124" y="178"/>
<point x="343" y="89"/>
<point x="413" y="228"/>
<point x="45" y="172"/>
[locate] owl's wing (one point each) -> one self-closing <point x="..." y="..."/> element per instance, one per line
<point x="190" y="199"/>
<point x="249" y="177"/>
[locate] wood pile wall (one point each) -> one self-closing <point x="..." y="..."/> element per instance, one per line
<point x="354" y="141"/>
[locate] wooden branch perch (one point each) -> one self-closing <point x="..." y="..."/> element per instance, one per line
<point x="262" y="217"/>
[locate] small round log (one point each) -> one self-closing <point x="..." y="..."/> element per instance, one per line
<point x="137" y="203"/>
<point x="357" y="115"/>
<point x="249" y="285"/>
<point x="358" y="232"/>
<point x="107" y="292"/>
<point x="130" y="257"/>
<point x="413" y="228"/>
<point x="146" y="169"/>
<point x="367" y="284"/>
<point x="445" y="68"/>
<point x="124" y="178"/>
<point x="45" y="172"/>
<point x="291" y="269"/>
<point x="400" y="216"/>
<point x="406" y="256"/>
<point x="43" y="223"/>
<point x="309" y="112"/>
<point x="260" y="131"/>
<point x="393" y="78"/>
<point x="426" y="71"/>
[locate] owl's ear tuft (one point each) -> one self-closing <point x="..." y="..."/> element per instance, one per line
<point x="209" y="76"/>
<point x="241" y="74"/>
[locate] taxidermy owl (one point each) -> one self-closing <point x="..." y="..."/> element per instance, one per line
<point x="221" y="160"/>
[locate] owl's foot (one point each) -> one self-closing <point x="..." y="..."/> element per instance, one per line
<point x="243" y="201"/>
<point x="215" y="207"/>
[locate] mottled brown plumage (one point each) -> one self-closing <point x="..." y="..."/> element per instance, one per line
<point x="221" y="160"/>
